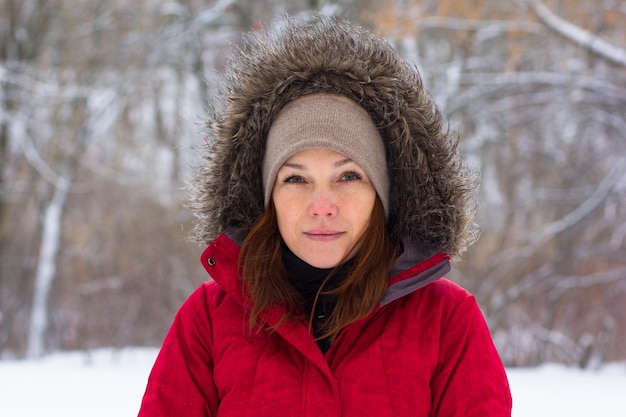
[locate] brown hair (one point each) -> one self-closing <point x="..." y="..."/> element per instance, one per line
<point x="265" y="278"/>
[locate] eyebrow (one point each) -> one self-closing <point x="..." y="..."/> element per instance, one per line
<point x="337" y="164"/>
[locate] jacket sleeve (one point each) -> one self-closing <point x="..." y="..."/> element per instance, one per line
<point x="470" y="380"/>
<point x="181" y="380"/>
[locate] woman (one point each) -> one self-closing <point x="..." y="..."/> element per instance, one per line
<point x="332" y="203"/>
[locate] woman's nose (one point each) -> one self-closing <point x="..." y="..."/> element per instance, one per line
<point x="323" y="203"/>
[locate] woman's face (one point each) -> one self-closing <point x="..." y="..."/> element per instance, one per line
<point x="323" y="203"/>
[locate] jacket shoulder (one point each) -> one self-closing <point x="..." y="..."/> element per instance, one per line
<point x="208" y="296"/>
<point x="445" y="290"/>
<point x="443" y="304"/>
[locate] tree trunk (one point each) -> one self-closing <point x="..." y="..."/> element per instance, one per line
<point x="46" y="267"/>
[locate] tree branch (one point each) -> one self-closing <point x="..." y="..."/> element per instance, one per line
<point x="439" y="22"/>
<point x="587" y="207"/>
<point x="585" y="39"/>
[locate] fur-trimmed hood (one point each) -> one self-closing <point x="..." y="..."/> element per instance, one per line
<point x="433" y="193"/>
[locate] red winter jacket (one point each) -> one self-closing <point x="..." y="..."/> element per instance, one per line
<point x="425" y="351"/>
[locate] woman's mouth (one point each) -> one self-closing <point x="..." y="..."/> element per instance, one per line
<point x="323" y="235"/>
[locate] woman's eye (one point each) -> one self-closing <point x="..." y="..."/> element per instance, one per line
<point x="294" y="179"/>
<point x="351" y="176"/>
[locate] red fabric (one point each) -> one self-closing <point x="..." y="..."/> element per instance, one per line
<point x="428" y="353"/>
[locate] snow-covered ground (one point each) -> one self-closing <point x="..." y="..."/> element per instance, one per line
<point x="111" y="383"/>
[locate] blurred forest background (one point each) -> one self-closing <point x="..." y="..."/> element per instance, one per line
<point x="103" y="102"/>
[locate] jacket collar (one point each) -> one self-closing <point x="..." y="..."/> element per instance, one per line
<point x="414" y="268"/>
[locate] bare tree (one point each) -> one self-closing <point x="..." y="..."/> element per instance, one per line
<point x="25" y="25"/>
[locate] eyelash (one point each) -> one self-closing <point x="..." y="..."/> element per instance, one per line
<point x="294" y="179"/>
<point x="355" y="176"/>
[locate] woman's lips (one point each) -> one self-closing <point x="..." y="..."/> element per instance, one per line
<point x="323" y="235"/>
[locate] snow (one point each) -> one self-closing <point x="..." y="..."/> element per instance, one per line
<point x="108" y="383"/>
<point x="111" y="382"/>
<point x="554" y="390"/>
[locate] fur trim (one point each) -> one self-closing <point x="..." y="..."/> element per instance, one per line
<point x="433" y="193"/>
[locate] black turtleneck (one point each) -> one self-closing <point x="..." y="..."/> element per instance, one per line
<point x="307" y="280"/>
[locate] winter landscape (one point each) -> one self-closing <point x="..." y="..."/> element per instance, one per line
<point x="102" y="107"/>
<point x="111" y="382"/>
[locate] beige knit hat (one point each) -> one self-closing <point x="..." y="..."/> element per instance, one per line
<point x="325" y="121"/>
